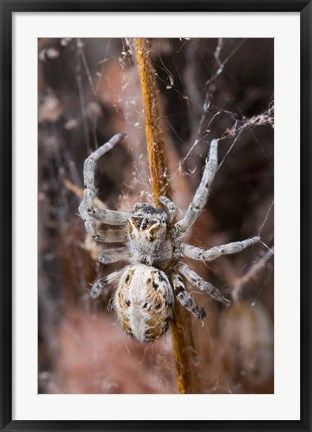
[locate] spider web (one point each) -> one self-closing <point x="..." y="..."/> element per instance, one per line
<point x="208" y="88"/>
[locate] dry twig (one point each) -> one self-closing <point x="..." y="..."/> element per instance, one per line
<point x="181" y="331"/>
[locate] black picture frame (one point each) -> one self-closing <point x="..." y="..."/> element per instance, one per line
<point x="7" y="9"/>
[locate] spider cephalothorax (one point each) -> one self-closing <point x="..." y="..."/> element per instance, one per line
<point x="144" y="299"/>
<point x="149" y="235"/>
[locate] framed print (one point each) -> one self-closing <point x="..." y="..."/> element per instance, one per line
<point x="155" y="202"/>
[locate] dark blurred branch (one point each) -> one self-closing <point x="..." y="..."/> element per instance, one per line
<point x="266" y="117"/>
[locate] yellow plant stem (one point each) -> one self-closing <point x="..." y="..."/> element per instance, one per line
<point x="154" y="137"/>
<point x="181" y="332"/>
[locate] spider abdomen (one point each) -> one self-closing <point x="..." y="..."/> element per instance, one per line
<point x="144" y="302"/>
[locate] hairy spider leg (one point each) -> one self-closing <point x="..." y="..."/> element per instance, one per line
<point x="170" y="205"/>
<point x="108" y="256"/>
<point x="217" y="251"/>
<point x="101" y="285"/>
<point x="203" y="190"/>
<point x="184" y="298"/>
<point x="200" y="283"/>
<point x="111" y="236"/>
<point x="87" y="209"/>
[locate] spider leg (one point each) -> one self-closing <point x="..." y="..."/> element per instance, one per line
<point x="215" y="252"/>
<point x="101" y="285"/>
<point x="203" y="190"/>
<point x="108" y="256"/>
<point x="111" y="236"/>
<point x="200" y="283"/>
<point x="170" y="207"/>
<point x="184" y="298"/>
<point x="87" y="209"/>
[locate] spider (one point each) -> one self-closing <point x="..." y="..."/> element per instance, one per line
<point x="147" y="288"/>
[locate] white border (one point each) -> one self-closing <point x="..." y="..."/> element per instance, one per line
<point x="284" y="404"/>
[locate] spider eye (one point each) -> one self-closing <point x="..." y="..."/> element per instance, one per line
<point x="136" y="221"/>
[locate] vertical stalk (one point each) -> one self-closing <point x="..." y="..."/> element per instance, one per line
<point x="154" y="136"/>
<point x="181" y="329"/>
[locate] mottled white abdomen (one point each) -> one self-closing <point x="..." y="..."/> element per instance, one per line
<point x="144" y="302"/>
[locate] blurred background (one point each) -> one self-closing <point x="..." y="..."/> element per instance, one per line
<point x="88" y="90"/>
